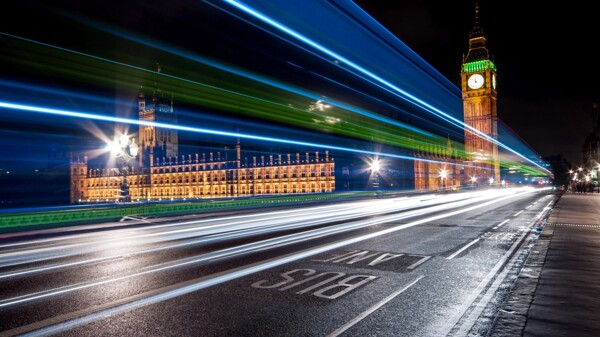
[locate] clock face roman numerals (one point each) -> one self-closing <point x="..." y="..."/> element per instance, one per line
<point x="475" y="81"/>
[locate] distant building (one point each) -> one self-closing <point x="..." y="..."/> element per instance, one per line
<point x="479" y="94"/>
<point x="591" y="149"/>
<point x="163" y="174"/>
<point x="436" y="171"/>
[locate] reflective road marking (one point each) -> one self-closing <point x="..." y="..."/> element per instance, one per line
<point x="500" y="224"/>
<point x="462" y="249"/>
<point x="369" y="311"/>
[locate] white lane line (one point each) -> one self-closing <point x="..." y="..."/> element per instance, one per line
<point x="519" y="212"/>
<point x="72" y="321"/>
<point x="418" y="263"/>
<point x="470" y="321"/>
<point x="462" y="249"/>
<point x="502" y="223"/>
<point x="528" y="207"/>
<point x="369" y="311"/>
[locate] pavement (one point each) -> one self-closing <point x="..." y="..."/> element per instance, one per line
<point x="557" y="293"/>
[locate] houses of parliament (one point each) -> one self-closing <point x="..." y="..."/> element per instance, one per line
<point x="163" y="174"/>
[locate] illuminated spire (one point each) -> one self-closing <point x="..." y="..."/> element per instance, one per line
<point x="477" y="49"/>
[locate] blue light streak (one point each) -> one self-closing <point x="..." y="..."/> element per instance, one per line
<point x="105" y="118"/>
<point x="402" y="93"/>
<point x="219" y="66"/>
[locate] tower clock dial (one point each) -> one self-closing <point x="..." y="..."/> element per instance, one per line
<point x="494" y="81"/>
<point x="475" y="81"/>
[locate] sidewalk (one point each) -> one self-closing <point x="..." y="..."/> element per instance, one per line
<point x="558" y="291"/>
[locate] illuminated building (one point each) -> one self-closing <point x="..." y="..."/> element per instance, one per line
<point x="478" y="84"/>
<point x="436" y="170"/>
<point x="161" y="174"/>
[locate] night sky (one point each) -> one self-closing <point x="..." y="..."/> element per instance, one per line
<point x="548" y="78"/>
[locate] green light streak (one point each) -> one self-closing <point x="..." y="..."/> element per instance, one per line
<point x="206" y="87"/>
<point x="203" y="86"/>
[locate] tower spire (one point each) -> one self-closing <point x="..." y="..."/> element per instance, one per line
<point x="476" y="31"/>
<point x="477" y="49"/>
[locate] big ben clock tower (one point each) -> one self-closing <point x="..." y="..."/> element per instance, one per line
<point x="478" y="82"/>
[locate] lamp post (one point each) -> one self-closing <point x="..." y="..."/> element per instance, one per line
<point x="126" y="149"/>
<point x="443" y="175"/>
<point x="375" y="166"/>
<point x="474" y="181"/>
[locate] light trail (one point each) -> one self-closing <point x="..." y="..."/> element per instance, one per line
<point x="383" y="137"/>
<point x="402" y="93"/>
<point x="105" y="118"/>
<point x="230" y="275"/>
<point x="454" y="202"/>
<point x="229" y="69"/>
<point x="223" y="229"/>
<point x="218" y="226"/>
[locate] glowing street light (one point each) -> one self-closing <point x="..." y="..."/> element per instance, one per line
<point x="126" y="149"/>
<point x="375" y="167"/>
<point x="473" y="179"/>
<point x="491" y="181"/>
<point x="443" y="175"/>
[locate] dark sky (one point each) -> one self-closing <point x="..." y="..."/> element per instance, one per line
<point x="548" y="78"/>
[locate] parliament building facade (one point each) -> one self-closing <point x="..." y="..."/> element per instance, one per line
<point x="162" y="174"/>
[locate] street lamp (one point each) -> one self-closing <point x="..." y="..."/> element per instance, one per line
<point x="473" y="181"/>
<point x="375" y="166"/>
<point x="443" y="175"/>
<point x="126" y="149"/>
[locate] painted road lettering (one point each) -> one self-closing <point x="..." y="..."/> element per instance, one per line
<point x="329" y="285"/>
<point x="377" y="260"/>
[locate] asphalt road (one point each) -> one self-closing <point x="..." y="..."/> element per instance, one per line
<point x="427" y="265"/>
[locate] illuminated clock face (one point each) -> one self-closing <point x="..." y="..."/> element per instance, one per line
<point x="494" y="82"/>
<point x="475" y="81"/>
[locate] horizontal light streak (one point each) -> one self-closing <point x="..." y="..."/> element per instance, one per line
<point x="216" y="279"/>
<point x="211" y="231"/>
<point x="261" y="79"/>
<point x="448" y="202"/>
<point x="384" y="136"/>
<point x="105" y="118"/>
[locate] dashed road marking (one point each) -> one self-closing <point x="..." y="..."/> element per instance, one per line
<point x="500" y="224"/>
<point x="369" y="311"/>
<point x="418" y="263"/>
<point x="519" y="212"/>
<point x="463" y="249"/>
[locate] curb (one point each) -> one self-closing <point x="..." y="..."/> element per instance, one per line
<point x="512" y="316"/>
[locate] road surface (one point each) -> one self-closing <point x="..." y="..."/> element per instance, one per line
<point x="426" y="265"/>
